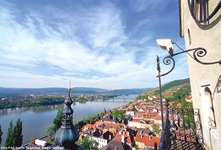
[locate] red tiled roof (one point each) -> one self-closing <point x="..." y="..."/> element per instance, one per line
<point x="158" y="117"/>
<point x="147" y="140"/>
<point x="140" y="113"/>
<point x="152" y="113"/>
<point x="189" y="97"/>
<point x="147" y="121"/>
<point x="151" y="121"/>
<point x="88" y="126"/>
<point x="135" y="120"/>
<point x="112" y="130"/>
<point x="126" y="135"/>
<point x="99" y="128"/>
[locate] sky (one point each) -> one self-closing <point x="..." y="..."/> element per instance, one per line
<point x="108" y="44"/>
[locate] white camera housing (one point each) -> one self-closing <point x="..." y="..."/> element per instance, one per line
<point x="166" y="44"/>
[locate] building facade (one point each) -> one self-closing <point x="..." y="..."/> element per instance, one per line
<point x="200" y="26"/>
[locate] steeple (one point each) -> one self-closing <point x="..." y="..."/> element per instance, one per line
<point x="67" y="135"/>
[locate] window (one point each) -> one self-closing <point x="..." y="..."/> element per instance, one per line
<point x="199" y="9"/>
<point x="189" y="36"/>
<point x="211" y="114"/>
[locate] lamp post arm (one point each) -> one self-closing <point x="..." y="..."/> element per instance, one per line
<point x="197" y="53"/>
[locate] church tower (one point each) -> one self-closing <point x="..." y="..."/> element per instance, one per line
<point x="67" y="135"/>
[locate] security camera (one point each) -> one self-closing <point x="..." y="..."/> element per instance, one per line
<point x="166" y="44"/>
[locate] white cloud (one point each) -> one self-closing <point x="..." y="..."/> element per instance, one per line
<point x="140" y="5"/>
<point x="144" y="22"/>
<point x="89" y="46"/>
<point x="104" y="25"/>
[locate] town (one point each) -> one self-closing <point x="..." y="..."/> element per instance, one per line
<point x="139" y="129"/>
<point x="136" y="125"/>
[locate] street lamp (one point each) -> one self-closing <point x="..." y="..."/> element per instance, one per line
<point x="167" y="44"/>
<point x="199" y="52"/>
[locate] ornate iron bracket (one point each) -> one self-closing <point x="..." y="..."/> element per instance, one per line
<point x="197" y="53"/>
<point x="167" y="61"/>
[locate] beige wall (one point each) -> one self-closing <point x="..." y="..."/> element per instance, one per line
<point x="205" y="76"/>
<point x="138" y="125"/>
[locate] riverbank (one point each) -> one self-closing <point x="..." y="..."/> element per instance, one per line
<point x="50" y="100"/>
<point x="36" y="119"/>
<point x="50" y="138"/>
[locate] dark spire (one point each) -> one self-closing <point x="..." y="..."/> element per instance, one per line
<point x="67" y="135"/>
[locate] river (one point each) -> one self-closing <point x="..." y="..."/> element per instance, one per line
<point x="35" y="120"/>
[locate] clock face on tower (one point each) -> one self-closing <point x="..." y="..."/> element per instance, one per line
<point x="200" y="11"/>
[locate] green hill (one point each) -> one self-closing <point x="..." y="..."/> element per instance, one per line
<point x="174" y="84"/>
<point x="177" y="89"/>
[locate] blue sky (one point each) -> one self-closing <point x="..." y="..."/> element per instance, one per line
<point x="107" y="44"/>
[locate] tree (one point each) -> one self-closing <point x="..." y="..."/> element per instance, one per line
<point x="14" y="135"/>
<point x="88" y="144"/>
<point x="1" y="134"/>
<point x="119" y="114"/>
<point x="133" y="107"/>
<point x="17" y="132"/>
<point x="136" y="147"/>
<point x="57" y="122"/>
<point x="50" y="130"/>
<point x="9" y="138"/>
<point x="80" y="124"/>
<point x="156" y="129"/>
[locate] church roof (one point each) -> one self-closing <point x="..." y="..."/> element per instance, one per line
<point x="67" y="135"/>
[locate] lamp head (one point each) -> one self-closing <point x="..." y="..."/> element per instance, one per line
<point x="166" y="44"/>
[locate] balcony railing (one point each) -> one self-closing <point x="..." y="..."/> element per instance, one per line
<point x="182" y="129"/>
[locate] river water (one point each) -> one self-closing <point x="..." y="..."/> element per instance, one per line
<point x="35" y="120"/>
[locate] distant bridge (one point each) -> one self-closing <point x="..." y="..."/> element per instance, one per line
<point x="115" y="100"/>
